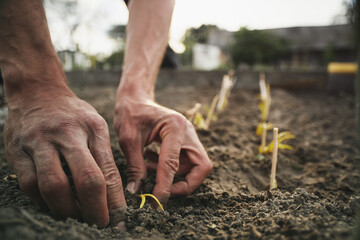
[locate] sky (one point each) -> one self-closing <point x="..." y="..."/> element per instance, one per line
<point x="95" y="18"/>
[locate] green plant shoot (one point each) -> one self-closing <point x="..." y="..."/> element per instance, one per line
<point x="143" y="198"/>
<point x="281" y="137"/>
<point x="199" y="121"/>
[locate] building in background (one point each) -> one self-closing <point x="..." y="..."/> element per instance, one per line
<point x="309" y="47"/>
<point x="73" y="60"/>
<point x="317" y="46"/>
<point x="206" y="56"/>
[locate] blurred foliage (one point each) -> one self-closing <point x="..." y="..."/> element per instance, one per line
<point x="192" y="36"/>
<point x="257" y="47"/>
<point x="115" y="60"/>
<point x="351" y="10"/>
<point x="329" y="53"/>
<point x="117" y="32"/>
<point x="353" y="15"/>
<point x="67" y="12"/>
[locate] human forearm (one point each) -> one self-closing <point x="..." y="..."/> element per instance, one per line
<point x="27" y="58"/>
<point x="146" y="40"/>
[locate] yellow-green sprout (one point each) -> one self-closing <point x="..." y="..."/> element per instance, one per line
<point x="265" y="102"/>
<point x="282" y="137"/>
<point x="260" y="128"/>
<point x="199" y="121"/>
<point x="143" y="198"/>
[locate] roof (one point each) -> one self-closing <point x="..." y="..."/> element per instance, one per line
<point x="340" y="37"/>
<point x="317" y="38"/>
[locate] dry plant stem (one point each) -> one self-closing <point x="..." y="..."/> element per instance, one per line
<point x="226" y="86"/>
<point x="274" y="160"/>
<point x="223" y="91"/>
<point x="263" y="137"/>
<point x="192" y="112"/>
<point x="211" y="111"/>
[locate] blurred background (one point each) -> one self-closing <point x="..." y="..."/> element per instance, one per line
<point x="209" y="35"/>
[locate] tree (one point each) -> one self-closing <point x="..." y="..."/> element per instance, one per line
<point x="118" y="32"/>
<point x="257" y="47"/>
<point x="115" y="60"/>
<point x="67" y="12"/>
<point x="192" y="36"/>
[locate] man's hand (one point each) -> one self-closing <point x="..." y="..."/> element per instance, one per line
<point x="138" y="122"/>
<point x="55" y="125"/>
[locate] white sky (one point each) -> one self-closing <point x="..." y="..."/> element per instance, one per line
<point x="97" y="16"/>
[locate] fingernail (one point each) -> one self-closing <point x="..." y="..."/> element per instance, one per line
<point x="118" y="218"/>
<point x="121" y="226"/>
<point x="131" y="187"/>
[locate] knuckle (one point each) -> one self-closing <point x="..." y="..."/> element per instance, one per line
<point x="135" y="172"/>
<point x="50" y="183"/>
<point x="91" y="181"/>
<point x="177" y="120"/>
<point x="126" y="138"/>
<point x="172" y="163"/>
<point x="112" y="178"/>
<point x="97" y="123"/>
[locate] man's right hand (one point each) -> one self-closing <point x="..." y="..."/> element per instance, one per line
<point x="52" y="125"/>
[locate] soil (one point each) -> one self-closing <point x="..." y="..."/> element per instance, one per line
<point x="317" y="182"/>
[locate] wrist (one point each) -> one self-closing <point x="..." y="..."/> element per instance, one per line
<point x="24" y="84"/>
<point x="135" y="89"/>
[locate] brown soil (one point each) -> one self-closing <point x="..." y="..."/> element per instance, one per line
<point x="318" y="181"/>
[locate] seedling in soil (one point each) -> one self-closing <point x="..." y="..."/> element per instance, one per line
<point x="143" y="198"/>
<point x="211" y="113"/>
<point x="264" y="105"/>
<point x="263" y="138"/>
<point x="199" y="121"/>
<point x="273" y="184"/>
<point x="260" y="128"/>
<point x="281" y="137"/>
<point x="227" y="84"/>
<point x="218" y="104"/>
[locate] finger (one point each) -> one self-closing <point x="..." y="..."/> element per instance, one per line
<point x="202" y="166"/>
<point x="25" y="170"/>
<point x="184" y="167"/>
<point x="89" y="183"/>
<point x="152" y="166"/>
<point x="53" y="183"/>
<point x="168" y="165"/>
<point x="100" y="149"/>
<point x="136" y="168"/>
